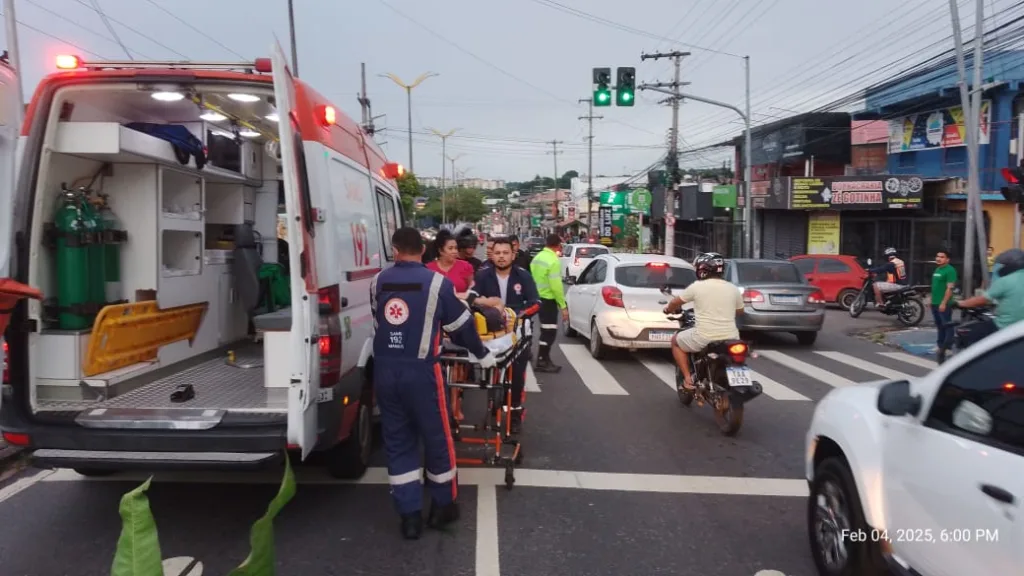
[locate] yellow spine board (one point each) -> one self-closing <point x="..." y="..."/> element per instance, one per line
<point x="125" y="334"/>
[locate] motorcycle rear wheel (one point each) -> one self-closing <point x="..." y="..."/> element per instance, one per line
<point x="729" y="419"/>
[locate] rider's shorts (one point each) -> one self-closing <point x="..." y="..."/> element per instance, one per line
<point x="690" y="341"/>
<point x="889" y="286"/>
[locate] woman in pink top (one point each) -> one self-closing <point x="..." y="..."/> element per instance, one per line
<point x="459" y="272"/>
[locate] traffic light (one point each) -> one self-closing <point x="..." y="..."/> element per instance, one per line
<point x="625" y="86"/>
<point x="602" y="91"/>
<point x="1015" y="178"/>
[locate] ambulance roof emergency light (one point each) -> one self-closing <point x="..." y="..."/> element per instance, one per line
<point x="327" y="115"/>
<point x="392" y="171"/>
<point x="68" y="62"/>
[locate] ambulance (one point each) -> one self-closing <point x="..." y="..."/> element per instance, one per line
<point x="177" y="327"/>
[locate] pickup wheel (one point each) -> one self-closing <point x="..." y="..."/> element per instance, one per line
<point x="833" y="512"/>
<point x="350" y="459"/>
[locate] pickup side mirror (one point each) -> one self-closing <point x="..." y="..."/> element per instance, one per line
<point x="895" y="399"/>
<point x="570" y="280"/>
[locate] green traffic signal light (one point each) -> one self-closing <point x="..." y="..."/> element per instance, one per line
<point x="602" y="97"/>
<point x="624" y="97"/>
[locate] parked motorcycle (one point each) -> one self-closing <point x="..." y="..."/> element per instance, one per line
<point x="906" y="304"/>
<point x="721" y="377"/>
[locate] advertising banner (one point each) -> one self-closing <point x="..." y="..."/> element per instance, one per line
<point x="604" y="225"/>
<point x="942" y="128"/>
<point x="617" y="202"/>
<point x="856" y="192"/>
<point x="724" y="196"/>
<point x="823" y="233"/>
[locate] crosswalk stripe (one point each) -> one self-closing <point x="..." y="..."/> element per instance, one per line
<point x="776" y="390"/>
<point x="910" y="359"/>
<point x="591" y="372"/>
<point x="834" y="380"/>
<point x="863" y="365"/>
<point x="665" y="371"/>
<point x="531" y="379"/>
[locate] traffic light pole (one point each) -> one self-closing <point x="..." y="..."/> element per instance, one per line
<point x="672" y="161"/>
<point x="590" y="161"/>
<point x="554" y="154"/>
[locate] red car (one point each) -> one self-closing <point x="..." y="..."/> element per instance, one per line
<point x="839" y="277"/>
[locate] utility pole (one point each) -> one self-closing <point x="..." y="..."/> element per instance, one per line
<point x="444" y="154"/>
<point x="975" y="231"/>
<point x="364" y="103"/>
<point x="672" y="160"/>
<point x="14" y="56"/>
<point x="554" y="154"/>
<point x="291" y="32"/>
<point x="590" y="161"/>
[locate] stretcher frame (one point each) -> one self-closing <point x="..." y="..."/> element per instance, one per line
<point x="462" y="372"/>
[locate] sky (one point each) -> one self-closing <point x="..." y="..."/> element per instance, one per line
<point x="510" y="73"/>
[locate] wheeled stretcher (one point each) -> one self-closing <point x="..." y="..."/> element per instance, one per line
<point x="490" y="436"/>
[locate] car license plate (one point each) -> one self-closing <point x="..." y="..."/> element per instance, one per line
<point x="327" y="395"/>
<point x="661" y="336"/>
<point x="785" y="299"/>
<point x="738" y="376"/>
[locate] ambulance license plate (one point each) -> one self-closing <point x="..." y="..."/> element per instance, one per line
<point x="327" y="395"/>
<point x="738" y="376"/>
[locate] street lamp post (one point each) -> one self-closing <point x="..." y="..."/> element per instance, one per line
<point x="444" y="191"/>
<point x="454" y="178"/>
<point x="408" y="98"/>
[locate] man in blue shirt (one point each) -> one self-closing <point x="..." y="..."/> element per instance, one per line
<point x="503" y="284"/>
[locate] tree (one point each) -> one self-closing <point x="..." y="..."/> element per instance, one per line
<point x="566" y="180"/>
<point x="462" y="204"/>
<point x="409" y="188"/>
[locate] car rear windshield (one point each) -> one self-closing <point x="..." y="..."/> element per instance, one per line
<point x="644" y="276"/>
<point x="768" y="273"/>
<point x="589" y="251"/>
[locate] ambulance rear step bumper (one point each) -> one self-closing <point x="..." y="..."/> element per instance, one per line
<point x="118" y="460"/>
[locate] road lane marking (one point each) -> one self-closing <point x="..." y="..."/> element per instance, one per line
<point x="14" y="488"/>
<point x="910" y="359"/>
<point x="776" y="390"/>
<point x="492" y="477"/>
<point x="591" y="372"/>
<point x="531" y="379"/>
<point x="665" y="371"/>
<point x="865" y="365"/>
<point x="487" y="549"/>
<point x="833" y="380"/>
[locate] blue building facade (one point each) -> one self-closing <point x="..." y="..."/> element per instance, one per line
<point x="933" y="93"/>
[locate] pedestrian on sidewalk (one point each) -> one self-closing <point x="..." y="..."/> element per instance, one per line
<point x="944" y="279"/>
<point x="546" y="270"/>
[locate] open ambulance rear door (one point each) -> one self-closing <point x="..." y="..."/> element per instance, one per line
<point x="10" y="113"/>
<point x="304" y="341"/>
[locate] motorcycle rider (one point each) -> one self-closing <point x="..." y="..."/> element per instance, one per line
<point x="1005" y="291"/>
<point x="716" y="304"/>
<point x="896" y="278"/>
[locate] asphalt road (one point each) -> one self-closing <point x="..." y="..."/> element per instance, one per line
<point x="618" y="479"/>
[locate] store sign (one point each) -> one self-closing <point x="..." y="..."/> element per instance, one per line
<point x="604" y="225"/>
<point x="942" y="128"/>
<point x="855" y="193"/>
<point x="724" y="196"/>
<point x="770" y="194"/>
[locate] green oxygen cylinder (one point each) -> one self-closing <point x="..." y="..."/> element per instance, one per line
<point x="93" y="226"/>
<point x="72" y="255"/>
<point x="110" y="224"/>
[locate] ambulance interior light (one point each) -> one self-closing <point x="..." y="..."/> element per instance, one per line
<point x="244" y="98"/>
<point x="273" y="117"/>
<point x="165" y="96"/>
<point x="68" y="62"/>
<point x="211" y="116"/>
<point x="247" y="133"/>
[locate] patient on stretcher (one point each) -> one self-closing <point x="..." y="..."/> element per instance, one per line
<point x="497" y="330"/>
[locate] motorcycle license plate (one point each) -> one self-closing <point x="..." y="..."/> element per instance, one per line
<point x="738" y="376"/>
<point x="660" y="335"/>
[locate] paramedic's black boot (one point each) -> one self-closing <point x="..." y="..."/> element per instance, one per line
<point x="412" y="525"/>
<point x="442" y="515"/>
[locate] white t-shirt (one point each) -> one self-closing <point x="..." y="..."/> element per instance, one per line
<point x="715" y="302"/>
<point x="503" y="287"/>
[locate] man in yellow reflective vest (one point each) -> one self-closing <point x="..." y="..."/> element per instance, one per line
<point x="546" y="270"/>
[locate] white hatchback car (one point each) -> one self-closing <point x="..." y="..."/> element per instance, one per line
<point x="924" y="476"/>
<point x="616" y="301"/>
<point x="575" y="257"/>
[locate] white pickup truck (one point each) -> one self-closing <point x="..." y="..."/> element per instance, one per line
<point x="923" y="476"/>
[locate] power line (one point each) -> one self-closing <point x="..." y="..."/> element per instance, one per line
<point x="137" y="32"/>
<point x="73" y="22"/>
<point x="194" y="29"/>
<point x="113" y="33"/>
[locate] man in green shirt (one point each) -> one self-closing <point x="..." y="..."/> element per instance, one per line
<point x="1006" y="291"/>
<point x="943" y="281"/>
<point x="546" y="270"/>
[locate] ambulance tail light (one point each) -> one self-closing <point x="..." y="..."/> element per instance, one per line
<point x="330" y="336"/>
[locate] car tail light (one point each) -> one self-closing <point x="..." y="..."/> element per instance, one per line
<point x="738" y="352"/>
<point x="816" y="297"/>
<point x="752" y="296"/>
<point x="330" y="336"/>
<point x="612" y="296"/>
<point x="17" y="439"/>
<point x="657" y="264"/>
<point x="7" y="371"/>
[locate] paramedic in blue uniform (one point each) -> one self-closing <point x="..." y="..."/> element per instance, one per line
<point x="505" y="284"/>
<point x="412" y="306"/>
